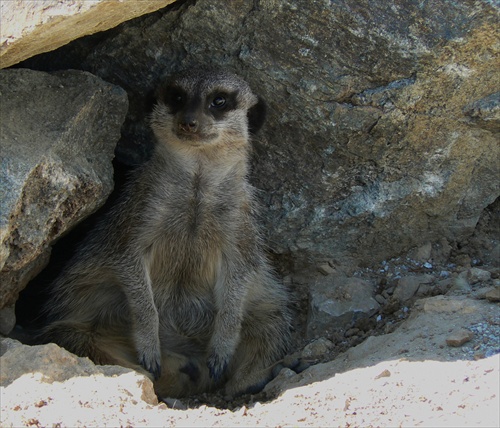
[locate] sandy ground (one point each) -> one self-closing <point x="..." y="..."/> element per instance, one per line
<point x="409" y="377"/>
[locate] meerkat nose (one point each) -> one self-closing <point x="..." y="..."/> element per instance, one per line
<point x="189" y="125"/>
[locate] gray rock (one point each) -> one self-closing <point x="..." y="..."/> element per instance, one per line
<point x="7" y="320"/>
<point x="493" y="295"/>
<point x="476" y="275"/>
<point x="422" y="253"/>
<point x="326" y="269"/>
<point x="408" y="285"/>
<point x="337" y="302"/>
<point x="58" y="137"/>
<point x="317" y="349"/>
<point x="281" y="382"/>
<point x="482" y="292"/>
<point x="367" y="151"/>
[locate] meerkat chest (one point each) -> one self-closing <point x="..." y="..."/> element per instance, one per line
<point x="195" y="223"/>
<point x="206" y="209"/>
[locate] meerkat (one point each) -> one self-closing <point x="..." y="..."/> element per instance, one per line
<point x="174" y="280"/>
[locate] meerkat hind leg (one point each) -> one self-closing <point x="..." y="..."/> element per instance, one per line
<point x="262" y="345"/>
<point x="250" y="371"/>
<point x="102" y="347"/>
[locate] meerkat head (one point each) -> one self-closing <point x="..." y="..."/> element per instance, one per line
<point x="200" y="108"/>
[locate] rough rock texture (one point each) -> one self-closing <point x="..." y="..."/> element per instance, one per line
<point x="337" y="302"/>
<point x="409" y="285"/>
<point x="383" y="117"/>
<point x="58" y="137"/>
<point x="33" y="27"/>
<point x="422" y="336"/>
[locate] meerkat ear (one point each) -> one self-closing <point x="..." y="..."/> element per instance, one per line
<point x="257" y="116"/>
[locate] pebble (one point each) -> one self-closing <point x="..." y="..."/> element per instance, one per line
<point x="174" y="403"/>
<point x="326" y="269"/>
<point x="459" y="337"/>
<point x="493" y="295"/>
<point x="317" y="348"/>
<point x="476" y="275"/>
<point x="385" y="373"/>
<point x="7" y="320"/>
<point x="408" y="286"/>
<point x="351" y="332"/>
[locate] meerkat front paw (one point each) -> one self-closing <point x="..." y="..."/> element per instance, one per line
<point x="150" y="358"/>
<point x="217" y="366"/>
<point x="152" y="365"/>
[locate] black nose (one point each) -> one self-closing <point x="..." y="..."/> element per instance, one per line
<point x="189" y="125"/>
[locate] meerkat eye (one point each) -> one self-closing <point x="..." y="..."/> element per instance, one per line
<point x="218" y="102"/>
<point x="177" y="99"/>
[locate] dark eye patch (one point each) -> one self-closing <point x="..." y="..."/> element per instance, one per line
<point x="175" y="98"/>
<point x="220" y="102"/>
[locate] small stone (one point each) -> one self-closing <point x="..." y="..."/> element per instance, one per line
<point x="317" y="348"/>
<point x="385" y="373"/>
<point x="493" y="295"/>
<point x="481" y="292"/>
<point x="276" y="369"/>
<point x="365" y="323"/>
<point x="422" y="253"/>
<point x="476" y="275"/>
<point x="443" y="286"/>
<point x="459" y="337"/>
<point x="408" y="286"/>
<point x="7" y="320"/>
<point x="279" y="383"/>
<point x="424" y="290"/>
<point x="463" y="260"/>
<point x="380" y="299"/>
<point x="479" y="355"/>
<point x="351" y="332"/>
<point x="326" y="269"/>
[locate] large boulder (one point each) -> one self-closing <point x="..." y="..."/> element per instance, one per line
<point x="58" y="137"/>
<point x="33" y="27"/>
<point x="383" y="118"/>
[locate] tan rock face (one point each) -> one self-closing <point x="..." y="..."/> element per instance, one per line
<point x="33" y="27"/>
